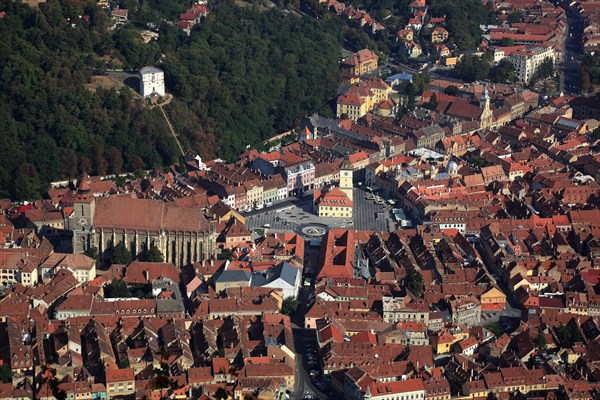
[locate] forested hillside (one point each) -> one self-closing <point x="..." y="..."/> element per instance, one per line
<point x="462" y="20"/>
<point x="245" y="75"/>
<point x="241" y="77"/>
<point x="51" y="126"/>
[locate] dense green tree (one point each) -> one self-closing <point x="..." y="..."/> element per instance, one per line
<point x="544" y="71"/>
<point x="506" y="42"/>
<point x="27" y="183"/>
<point x="131" y="45"/>
<point x="124" y="363"/>
<point x="225" y="254"/>
<point x="115" y="160"/>
<point x="69" y="164"/>
<point x="541" y="341"/>
<point x="590" y="72"/>
<point x="410" y="104"/>
<point x="92" y="252"/>
<point x="463" y="19"/>
<point x="117" y="289"/>
<point x="120" y="254"/>
<point x="495" y="329"/>
<point x="452" y="90"/>
<point x="289" y="306"/>
<point x="420" y="82"/>
<point x="402" y="111"/>
<point x="221" y="394"/>
<point x="473" y="68"/>
<point x="567" y="335"/>
<point x="479" y="162"/>
<point x="153" y="254"/>
<point x="515" y="17"/>
<point x="99" y="160"/>
<point x="5" y="373"/>
<point x="503" y="72"/>
<point x="432" y="103"/>
<point x="414" y="282"/>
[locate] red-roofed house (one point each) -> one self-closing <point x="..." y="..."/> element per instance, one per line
<point x="120" y="15"/>
<point x="146" y="272"/>
<point x="332" y="203"/>
<point x="337" y="254"/>
<point x="120" y="382"/>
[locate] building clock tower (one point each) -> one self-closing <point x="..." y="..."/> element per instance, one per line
<point x="346" y="177"/>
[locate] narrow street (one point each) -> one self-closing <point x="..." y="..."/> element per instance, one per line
<point x="305" y="340"/>
<point x="570" y="66"/>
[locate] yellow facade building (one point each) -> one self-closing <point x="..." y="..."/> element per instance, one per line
<point x="362" y="98"/>
<point x="439" y="35"/>
<point x="360" y="63"/>
<point x="336" y="202"/>
<point x="493" y="299"/>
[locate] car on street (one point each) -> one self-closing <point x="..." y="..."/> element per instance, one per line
<point x="268" y="204"/>
<point x="314" y="373"/>
<point x="259" y="206"/>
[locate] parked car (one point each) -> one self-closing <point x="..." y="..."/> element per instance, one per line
<point x="314" y="373"/>
<point x="259" y="206"/>
<point x="268" y="204"/>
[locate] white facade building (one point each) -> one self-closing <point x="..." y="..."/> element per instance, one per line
<point x="527" y="62"/>
<point x="152" y="82"/>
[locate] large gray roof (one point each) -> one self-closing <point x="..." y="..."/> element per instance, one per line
<point x="233" y="276"/>
<point x="283" y="270"/>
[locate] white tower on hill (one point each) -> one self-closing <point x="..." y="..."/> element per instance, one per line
<point x="152" y="82"/>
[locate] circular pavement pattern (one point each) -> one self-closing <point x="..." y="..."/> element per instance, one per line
<point x="312" y="230"/>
